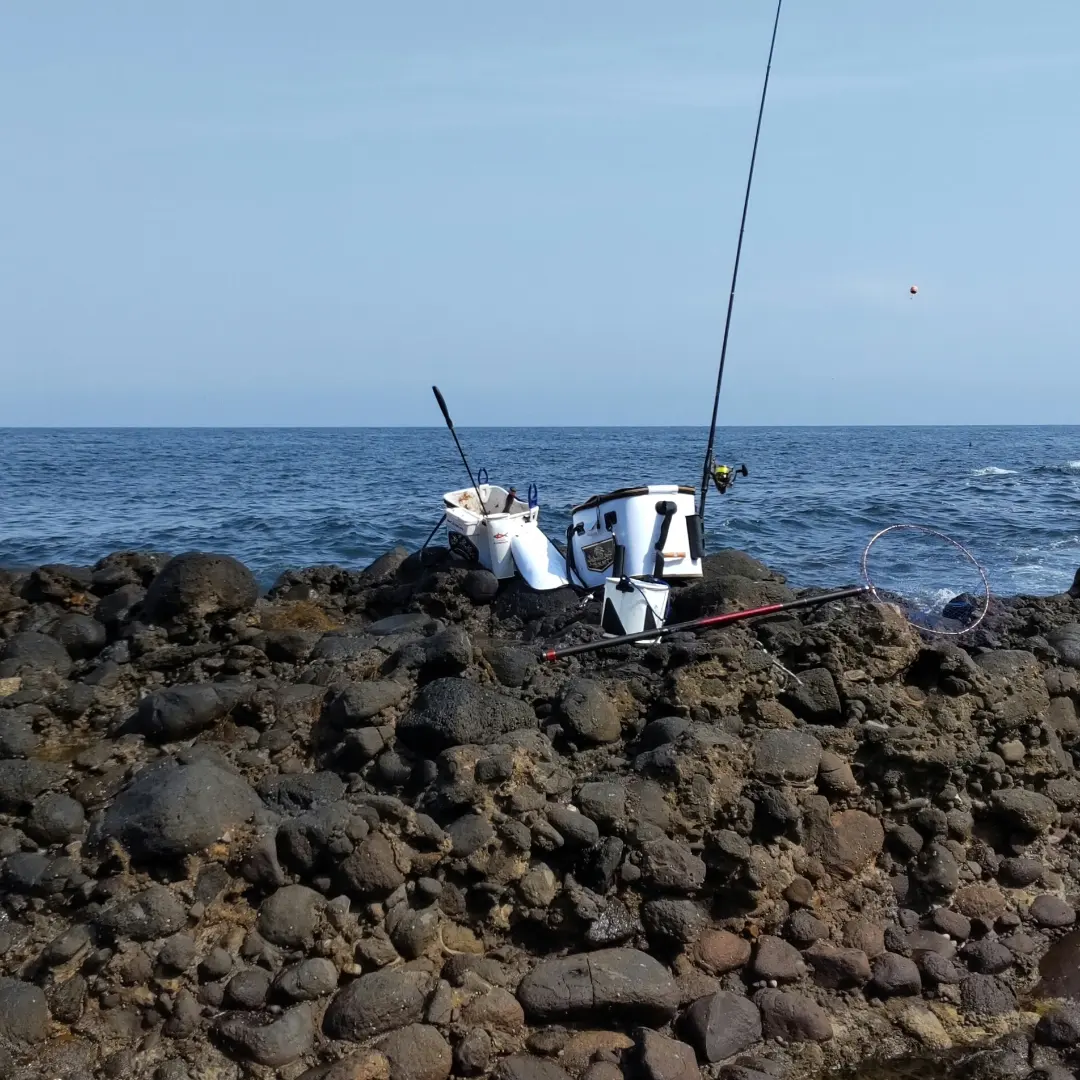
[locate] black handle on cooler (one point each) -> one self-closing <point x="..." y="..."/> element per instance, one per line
<point x="667" y="511"/>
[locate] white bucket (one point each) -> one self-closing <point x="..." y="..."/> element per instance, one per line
<point x="484" y="533"/>
<point x="655" y="543"/>
<point x="636" y="606"/>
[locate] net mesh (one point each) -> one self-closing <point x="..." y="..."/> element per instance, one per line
<point x="934" y="580"/>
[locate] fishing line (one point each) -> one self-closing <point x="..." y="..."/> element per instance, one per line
<point x="734" y="278"/>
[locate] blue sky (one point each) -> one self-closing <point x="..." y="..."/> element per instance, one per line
<point x="300" y="214"/>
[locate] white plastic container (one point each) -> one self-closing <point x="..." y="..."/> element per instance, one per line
<point x="484" y="534"/>
<point x="631" y="606"/>
<point x="634" y="519"/>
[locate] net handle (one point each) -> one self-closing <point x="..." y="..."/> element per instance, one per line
<point x="949" y="540"/>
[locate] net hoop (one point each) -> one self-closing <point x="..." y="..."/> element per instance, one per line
<point x="949" y="540"/>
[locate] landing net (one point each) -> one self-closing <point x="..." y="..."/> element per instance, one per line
<point x="935" y="582"/>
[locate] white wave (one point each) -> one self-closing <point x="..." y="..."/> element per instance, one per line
<point x="993" y="470"/>
<point x="1072" y="466"/>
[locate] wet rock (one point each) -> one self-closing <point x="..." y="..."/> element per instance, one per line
<point x="1051" y="912"/>
<point x="839" y="969"/>
<point x="775" y="959"/>
<point x="55" y="819"/>
<point x="672" y="866"/>
<point x="380" y="1002"/>
<point x="792" y="1017"/>
<point x="150" y="914"/>
<point x="454" y="712"/>
<point x="216" y="964"/>
<point x="1025" y="810"/>
<point x="290" y="916"/>
<point x="266" y="1040"/>
<point x="661" y="1058"/>
<point x="787" y="756"/>
<point x="722" y="1025"/>
<point x="195" y="585"/>
<point x="417" y="1052"/>
<point x="172" y="810"/>
<point x="32" y="652"/>
<point x="624" y="984"/>
<point x="895" y="976"/>
<point x="24" y="1014"/>
<point x="180" y="712"/>
<point x="1059" y="1027"/>
<point x="986" y="995"/>
<point x="588" y="712"/>
<point x="720" y="951"/>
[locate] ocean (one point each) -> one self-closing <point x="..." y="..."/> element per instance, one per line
<point x="280" y="498"/>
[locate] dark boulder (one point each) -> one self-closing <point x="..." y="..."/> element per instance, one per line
<point x="620" y="984"/>
<point x="32" y="652"/>
<point x="380" y="1002"/>
<point x="24" y="1014"/>
<point x="81" y="635"/>
<point x="116" y="608"/>
<point x="21" y="782"/>
<point x="171" y="810"/>
<point x="454" y="712"/>
<point x="194" y="585"/>
<point x="180" y="712"/>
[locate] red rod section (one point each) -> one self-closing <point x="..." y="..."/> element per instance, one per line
<point x="704" y="623"/>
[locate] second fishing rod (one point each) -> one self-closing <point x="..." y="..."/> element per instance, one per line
<point x="707" y="470"/>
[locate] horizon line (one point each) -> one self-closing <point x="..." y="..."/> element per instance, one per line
<point x="504" y="427"/>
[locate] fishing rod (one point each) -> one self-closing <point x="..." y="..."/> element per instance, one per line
<point x="706" y="622"/>
<point x="450" y="424"/>
<point x="731" y="296"/>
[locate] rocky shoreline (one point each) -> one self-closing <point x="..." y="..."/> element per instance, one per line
<point x="354" y="830"/>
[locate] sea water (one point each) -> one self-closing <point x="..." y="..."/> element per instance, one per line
<point x="279" y="498"/>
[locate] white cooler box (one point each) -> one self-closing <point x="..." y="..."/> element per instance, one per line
<point x="655" y="527"/>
